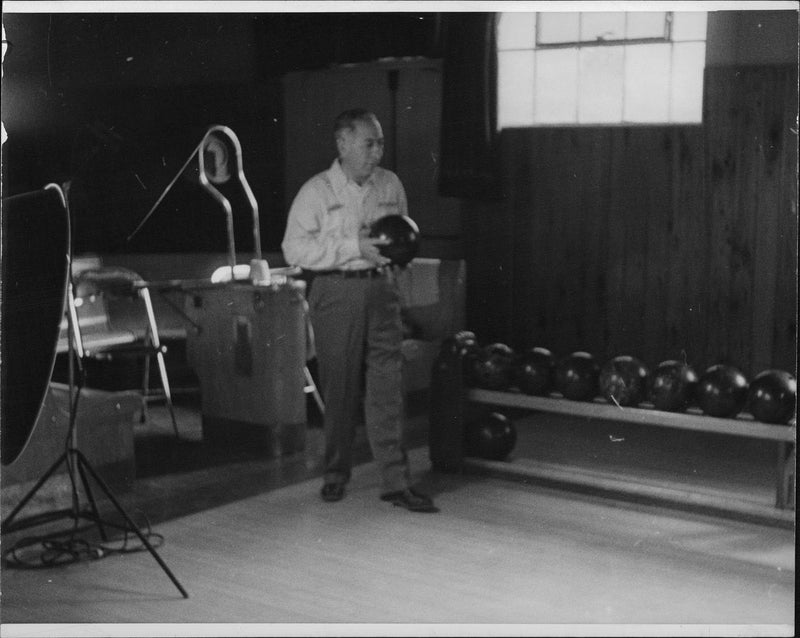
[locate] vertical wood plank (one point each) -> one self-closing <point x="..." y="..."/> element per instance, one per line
<point x="684" y="314"/>
<point x="594" y="201"/>
<point x="729" y="229"/>
<point x="529" y="269"/>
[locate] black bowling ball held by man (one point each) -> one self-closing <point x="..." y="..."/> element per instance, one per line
<point x="354" y="306"/>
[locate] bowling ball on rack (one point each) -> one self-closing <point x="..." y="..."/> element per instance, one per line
<point x="403" y="235"/>
<point x="576" y="376"/>
<point x="772" y="396"/>
<point x="672" y="386"/>
<point x="623" y="380"/>
<point x="722" y="391"/>
<point x="490" y="368"/>
<point x="462" y="345"/>
<point x="533" y="371"/>
<point x="490" y="437"/>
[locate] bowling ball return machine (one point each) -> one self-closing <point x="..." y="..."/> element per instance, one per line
<point x="249" y="337"/>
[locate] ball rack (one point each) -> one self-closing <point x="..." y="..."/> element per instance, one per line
<point x="451" y="398"/>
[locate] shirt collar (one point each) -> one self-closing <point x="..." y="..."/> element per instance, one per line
<point x="339" y="180"/>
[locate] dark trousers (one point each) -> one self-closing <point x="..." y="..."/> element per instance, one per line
<point x="358" y="334"/>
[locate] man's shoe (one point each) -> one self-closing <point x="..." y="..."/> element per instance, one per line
<point x="332" y="492"/>
<point x="412" y="500"/>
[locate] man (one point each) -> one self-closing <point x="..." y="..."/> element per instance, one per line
<point x="354" y="306"/>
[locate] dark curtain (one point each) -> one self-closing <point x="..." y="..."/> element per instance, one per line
<point x="469" y="145"/>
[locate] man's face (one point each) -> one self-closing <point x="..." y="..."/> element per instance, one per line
<point x="361" y="149"/>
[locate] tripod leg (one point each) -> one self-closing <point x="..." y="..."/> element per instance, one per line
<point x="92" y="503"/>
<point x="83" y="461"/>
<point x="6" y="525"/>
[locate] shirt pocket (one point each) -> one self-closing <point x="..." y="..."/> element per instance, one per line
<point x="333" y="223"/>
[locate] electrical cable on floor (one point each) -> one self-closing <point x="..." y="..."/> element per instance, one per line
<point x="54" y="550"/>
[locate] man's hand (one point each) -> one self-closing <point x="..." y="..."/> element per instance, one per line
<point x="370" y="247"/>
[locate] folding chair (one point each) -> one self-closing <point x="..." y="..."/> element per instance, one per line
<point x="98" y="340"/>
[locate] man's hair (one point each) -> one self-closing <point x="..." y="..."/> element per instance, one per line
<point x="348" y="119"/>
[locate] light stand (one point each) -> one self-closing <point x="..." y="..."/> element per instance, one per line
<point x="78" y="466"/>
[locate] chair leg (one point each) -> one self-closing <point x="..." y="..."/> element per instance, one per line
<point x="312" y="388"/>
<point x="162" y="368"/>
<point x="144" y="293"/>
<point x="145" y="387"/>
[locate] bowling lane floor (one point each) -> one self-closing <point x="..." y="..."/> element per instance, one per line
<point x="258" y="551"/>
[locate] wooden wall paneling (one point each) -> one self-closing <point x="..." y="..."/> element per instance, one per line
<point x="727" y="149"/>
<point x="686" y="251"/>
<point x="538" y="265"/>
<point x="651" y="157"/>
<point x="660" y="217"/>
<point x="662" y="242"/>
<point x="747" y="112"/>
<point x="487" y="247"/>
<point x="529" y="316"/>
<point x="617" y="246"/>
<point x="745" y="212"/>
<point x="546" y="241"/>
<point x="632" y="159"/>
<point x="765" y="202"/>
<point x="784" y="345"/>
<point x="775" y="336"/>
<point x="566" y="168"/>
<point x="594" y="200"/>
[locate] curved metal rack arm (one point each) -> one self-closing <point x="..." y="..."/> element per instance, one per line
<point x="219" y="197"/>
<point x="237" y="147"/>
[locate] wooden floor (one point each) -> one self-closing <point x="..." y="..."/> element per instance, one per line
<point x="259" y="553"/>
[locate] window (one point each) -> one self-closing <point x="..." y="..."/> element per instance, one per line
<point x="600" y="67"/>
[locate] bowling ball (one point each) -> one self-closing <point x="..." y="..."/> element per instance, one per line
<point x="533" y="371"/>
<point x="772" y="395"/>
<point x="491" y="367"/>
<point x="722" y="391"/>
<point x="623" y="380"/>
<point x="403" y="235"/>
<point x="459" y="344"/>
<point x="490" y="437"/>
<point x="672" y="386"/>
<point x="462" y="345"/>
<point x="576" y="376"/>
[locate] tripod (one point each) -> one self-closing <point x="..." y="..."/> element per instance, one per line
<point x="79" y="469"/>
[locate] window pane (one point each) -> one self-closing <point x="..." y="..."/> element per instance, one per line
<point x="556" y="97"/>
<point x="646" y="24"/>
<point x="688" y="25"/>
<point x="516" y="31"/>
<point x="600" y="88"/>
<point x="515" y="88"/>
<point x="602" y="26"/>
<point x="688" y="61"/>
<point x="647" y="82"/>
<point x="558" y="27"/>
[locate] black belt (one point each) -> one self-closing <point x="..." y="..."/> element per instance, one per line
<point x="364" y="273"/>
